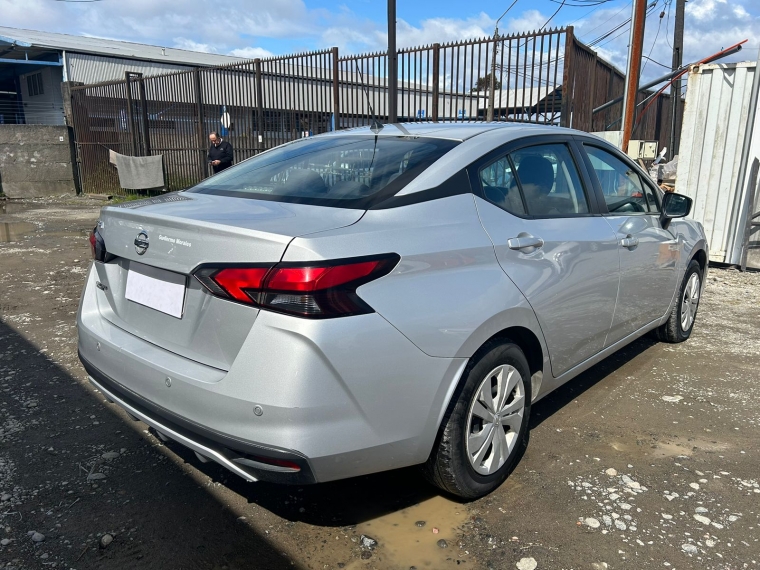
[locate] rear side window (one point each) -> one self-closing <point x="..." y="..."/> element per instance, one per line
<point x="500" y="186"/>
<point x="549" y="181"/>
<point x="338" y="171"/>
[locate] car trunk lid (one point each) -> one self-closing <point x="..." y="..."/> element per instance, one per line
<point x="176" y="234"/>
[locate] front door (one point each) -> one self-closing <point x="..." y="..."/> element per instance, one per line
<point x="553" y="246"/>
<point x="648" y="253"/>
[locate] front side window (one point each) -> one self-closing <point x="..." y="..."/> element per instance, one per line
<point x="623" y="189"/>
<point x="346" y="171"/>
<point x="549" y="180"/>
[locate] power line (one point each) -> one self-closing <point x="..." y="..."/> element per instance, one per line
<point x="608" y="19"/>
<point x="582" y="3"/>
<point x="656" y="62"/>
<point x="667" y="24"/>
<point x="657" y="35"/>
<point x="578" y="19"/>
<point x="626" y="23"/>
<point x="552" y="16"/>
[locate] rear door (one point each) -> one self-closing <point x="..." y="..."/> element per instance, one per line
<point x="551" y="241"/>
<point x="648" y="253"/>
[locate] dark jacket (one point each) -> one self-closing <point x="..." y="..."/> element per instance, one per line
<point x="223" y="153"/>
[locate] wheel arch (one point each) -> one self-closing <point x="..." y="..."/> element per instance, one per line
<point x="526" y="339"/>
<point x="701" y="257"/>
<point x="528" y="342"/>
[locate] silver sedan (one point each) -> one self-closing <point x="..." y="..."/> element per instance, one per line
<point x="378" y="298"/>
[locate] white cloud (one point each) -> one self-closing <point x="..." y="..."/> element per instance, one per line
<point x="710" y="25"/>
<point x="529" y="21"/>
<point x="238" y="26"/>
<point x="191" y="24"/>
<point x="185" y="43"/>
<point x="251" y="53"/>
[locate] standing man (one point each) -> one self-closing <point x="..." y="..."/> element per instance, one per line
<point x="219" y="153"/>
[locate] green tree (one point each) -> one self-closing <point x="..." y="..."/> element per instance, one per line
<point x="484" y="84"/>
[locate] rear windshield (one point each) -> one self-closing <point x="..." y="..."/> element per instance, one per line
<point x="340" y="171"/>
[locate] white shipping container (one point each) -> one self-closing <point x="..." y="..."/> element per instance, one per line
<point x="715" y="121"/>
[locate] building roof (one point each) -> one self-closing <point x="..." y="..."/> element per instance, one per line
<point x="81" y="44"/>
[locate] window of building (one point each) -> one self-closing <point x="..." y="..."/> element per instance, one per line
<point x="34" y="84"/>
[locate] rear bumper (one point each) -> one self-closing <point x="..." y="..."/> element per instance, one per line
<point x="244" y="458"/>
<point x="338" y="397"/>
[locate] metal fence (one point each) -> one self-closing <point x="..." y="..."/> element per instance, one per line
<point x="538" y="77"/>
<point x="591" y="82"/>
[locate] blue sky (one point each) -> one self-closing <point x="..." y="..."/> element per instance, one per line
<point x="260" y="28"/>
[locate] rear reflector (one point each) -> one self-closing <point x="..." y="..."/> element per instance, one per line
<point x="314" y="290"/>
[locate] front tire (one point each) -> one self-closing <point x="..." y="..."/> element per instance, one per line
<point x="485" y="431"/>
<point x="680" y="323"/>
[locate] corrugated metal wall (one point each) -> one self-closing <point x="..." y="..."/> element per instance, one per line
<point x="96" y="69"/>
<point x="712" y="137"/>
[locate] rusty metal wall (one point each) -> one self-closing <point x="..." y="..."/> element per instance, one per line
<point x="595" y="82"/>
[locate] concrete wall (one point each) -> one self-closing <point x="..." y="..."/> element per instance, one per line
<point x="35" y="160"/>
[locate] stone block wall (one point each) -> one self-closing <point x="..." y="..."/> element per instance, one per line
<point x="35" y="161"/>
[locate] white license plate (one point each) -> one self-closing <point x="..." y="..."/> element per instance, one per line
<point x="156" y="288"/>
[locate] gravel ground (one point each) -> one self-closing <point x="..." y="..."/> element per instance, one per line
<point x="648" y="460"/>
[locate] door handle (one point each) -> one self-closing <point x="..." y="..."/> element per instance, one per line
<point x="629" y="241"/>
<point x="525" y="242"/>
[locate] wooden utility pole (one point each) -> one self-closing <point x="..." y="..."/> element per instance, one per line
<point x="392" y="64"/>
<point x="675" y="90"/>
<point x="635" y="52"/>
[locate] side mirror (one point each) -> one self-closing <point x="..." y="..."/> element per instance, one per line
<point x="675" y="205"/>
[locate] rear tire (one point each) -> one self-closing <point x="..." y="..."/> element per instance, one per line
<point x="682" y="317"/>
<point x="485" y="430"/>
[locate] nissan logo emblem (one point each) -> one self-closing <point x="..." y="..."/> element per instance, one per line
<point x="141" y="243"/>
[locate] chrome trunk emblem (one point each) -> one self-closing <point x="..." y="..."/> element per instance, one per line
<point x="141" y="243"/>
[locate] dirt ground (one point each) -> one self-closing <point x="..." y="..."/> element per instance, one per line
<point x="649" y="460"/>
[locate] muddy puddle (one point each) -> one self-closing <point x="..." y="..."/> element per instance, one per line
<point x="405" y="542"/>
<point x="14" y="230"/>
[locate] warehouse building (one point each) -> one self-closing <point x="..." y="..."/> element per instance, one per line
<point x="34" y="64"/>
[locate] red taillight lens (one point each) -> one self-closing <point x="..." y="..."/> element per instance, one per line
<point x="295" y="278"/>
<point x="98" y="247"/>
<point x="320" y="290"/>
<point x="92" y="243"/>
<point x="318" y="278"/>
<point x="241" y="282"/>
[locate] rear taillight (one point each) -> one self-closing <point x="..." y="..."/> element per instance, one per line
<point x="92" y="243"/>
<point x="313" y="290"/>
<point x="98" y="247"/>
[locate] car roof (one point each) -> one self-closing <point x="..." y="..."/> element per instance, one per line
<point x="459" y="131"/>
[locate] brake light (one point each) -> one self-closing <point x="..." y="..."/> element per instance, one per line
<point x="92" y="243"/>
<point x="240" y="281"/>
<point x="318" y="278"/>
<point x="98" y="247"/>
<point x="313" y="290"/>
